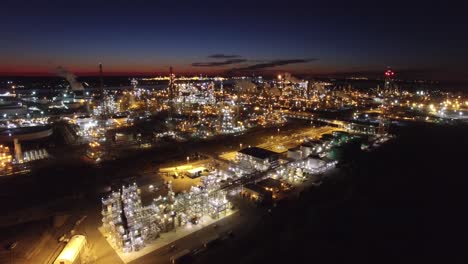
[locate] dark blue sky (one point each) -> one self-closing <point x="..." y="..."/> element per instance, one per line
<point x="419" y="40"/>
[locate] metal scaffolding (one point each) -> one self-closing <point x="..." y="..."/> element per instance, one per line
<point x="131" y="225"/>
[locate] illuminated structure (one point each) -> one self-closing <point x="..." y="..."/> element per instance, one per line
<point x="383" y="122"/>
<point x="5" y="159"/>
<point x="18" y="152"/>
<point x="299" y="170"/>
<point x="256" y="193"/>
<point x="123" y="218"/>
<point x="134" y="83"/>
<point x="36" y="154"/>
<point x="106" y="106"/>
<point x="73" y="251"/>
<point x="228" y="122"/>
<point x="206" y="199"/>
<point x="131" y="225"/>
<point x="172" y="91"/>
<point x="259" y="158"/>
<point x="389" y="77"/>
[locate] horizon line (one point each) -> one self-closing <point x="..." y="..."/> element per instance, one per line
<point x="209" y="74"/>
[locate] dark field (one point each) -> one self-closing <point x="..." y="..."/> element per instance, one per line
<point x="403" y="203"/>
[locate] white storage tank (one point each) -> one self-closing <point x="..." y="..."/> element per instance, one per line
<point x="71" y="253"/>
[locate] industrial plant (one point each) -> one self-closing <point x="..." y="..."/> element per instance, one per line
<point x="221" y="145"/>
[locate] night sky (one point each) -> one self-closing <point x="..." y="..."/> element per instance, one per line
<point x="419" y="40"/>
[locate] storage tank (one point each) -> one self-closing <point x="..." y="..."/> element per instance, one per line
<point x="71" y="253"/>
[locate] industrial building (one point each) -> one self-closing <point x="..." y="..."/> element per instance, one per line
<point x="272" y="185"/>
<point x="295" y="153"/>
<point x="259" y="158"/>
<point x="128" y="223"/>
<point x="309" y="147"/>
<point x="131" y="225"/>
<point x="26" y="133"/>
<point x="196" y="172"/>
<point x="256" y="193"/>
<point x="361" y="128"/>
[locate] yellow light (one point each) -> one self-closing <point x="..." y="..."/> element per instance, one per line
<point x="71" y="250"/>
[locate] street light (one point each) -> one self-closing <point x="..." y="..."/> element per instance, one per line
<point x="188" y="159"/>
<point x="240" y="145"/>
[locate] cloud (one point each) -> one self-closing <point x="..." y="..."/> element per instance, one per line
<point x="274" y="63"/>
<point x="223" y="56"/>
<point x="217" y="63"/>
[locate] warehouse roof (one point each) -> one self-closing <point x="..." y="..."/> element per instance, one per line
<point x="258" y="152"/>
